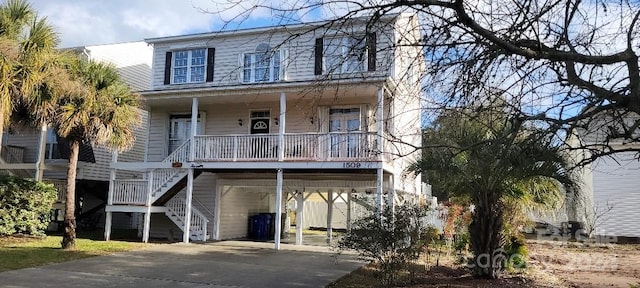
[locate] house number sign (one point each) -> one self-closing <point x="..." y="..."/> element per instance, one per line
<point x="352" y="165"/>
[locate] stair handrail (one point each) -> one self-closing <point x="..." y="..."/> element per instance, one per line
<point x="177" y="205"/>
<point x="164" y="175"/>
<point x="204" y="207"/>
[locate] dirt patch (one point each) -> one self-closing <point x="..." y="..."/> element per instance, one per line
<point x="17" y="239"/>
<point x="581" y="265"/>
<point x="551" y="264"/>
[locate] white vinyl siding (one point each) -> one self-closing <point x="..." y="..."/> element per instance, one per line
<point x="132" y="60"/>
<point x="236" y="208"/>
<point x="297" y="66"/>
<point x="616" y="187"/>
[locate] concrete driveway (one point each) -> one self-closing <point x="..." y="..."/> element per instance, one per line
<point x="223" y="264"/>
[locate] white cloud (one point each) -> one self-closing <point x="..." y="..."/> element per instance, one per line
<point x="98" y="22"/>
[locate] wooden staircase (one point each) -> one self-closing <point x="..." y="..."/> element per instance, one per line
<point x="165" y="183"/>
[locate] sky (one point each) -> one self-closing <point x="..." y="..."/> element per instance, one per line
<point x="92" y="22"/>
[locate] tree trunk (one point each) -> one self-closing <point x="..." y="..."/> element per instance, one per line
<point x="69" y="237"/>
<point x="486" y="238"/>
<point x="1" y="130"/>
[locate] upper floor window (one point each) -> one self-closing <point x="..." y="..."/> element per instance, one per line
<point x="189" y="66"/>
<point x="263" y="65"/>
<point x="345" y="54"/>
<point x="51" y="149"/>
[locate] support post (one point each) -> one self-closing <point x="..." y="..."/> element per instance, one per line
<point x="281" y="128"/>
<point x="194" y="129"/>
<point x="391" y="194"/>
<point x="216" y="221"/>
<point x="147" y="214"/>
<point x="42" y="147"/>
<point x="299" y="217"/>
<point x="329" y="215"/>
<point x="187" y="213"/>
<point x="349" y="210"/>
<point x="380" y="120"/>
<point x="107" y="226"/>
<point x="379" y="191"/>
<point x="278" y="230"/>
<point x="112" y="178"/>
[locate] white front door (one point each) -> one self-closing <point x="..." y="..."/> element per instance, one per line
<point x="342" y="121"/>
<point x="180" y="130"/>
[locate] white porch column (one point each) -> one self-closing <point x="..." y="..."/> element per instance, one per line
<point x="278" y="230"/>
<point x="283" y="110"/>
<point x="349" y="210"/>
<point x="187" y="211"/>
<point x="299" y="217"/>
<point x="392" y="193"/>
<point x="42" y="147"/>
<point x="194" y="128"/>
<point x="147" y="214"/>
<point x="329" y="215"/>
<point x="379" y="190"/>
<point x="216" y="221"/>
<point x="380" y="120"/>
<point x="112" y="178"/>
<point x="107" y="226"/>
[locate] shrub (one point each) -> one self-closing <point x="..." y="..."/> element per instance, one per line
<point x="26" y="205"/>
<point x="393" y="241"/>
<point x="516" y="252"/>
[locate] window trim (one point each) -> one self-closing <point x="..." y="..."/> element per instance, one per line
<point x="345" y="54"/>
<point x="280" y="54"/>
<point x="189" y="66"/>
<point x="51" y="146"/>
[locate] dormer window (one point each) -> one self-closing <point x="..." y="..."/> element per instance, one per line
<point x="263" y="65"/>
<point x="189" y="66"/>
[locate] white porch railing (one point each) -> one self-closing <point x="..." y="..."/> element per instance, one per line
<point x="176" y="211"/>
<point x="130" y="191"/>
<point x="135" y="191"/>
<point x="333" y="146"/>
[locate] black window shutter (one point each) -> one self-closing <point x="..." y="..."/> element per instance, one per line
<point x="167" y="69"/>
<point x="318" y="56"/>
<point x="371" y="47"/>
<point x="210" y="61"/>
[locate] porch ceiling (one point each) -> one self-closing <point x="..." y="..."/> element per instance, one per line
<point x="260" y="93"/>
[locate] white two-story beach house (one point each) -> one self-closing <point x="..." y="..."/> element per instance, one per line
<point x="266" y="120"/>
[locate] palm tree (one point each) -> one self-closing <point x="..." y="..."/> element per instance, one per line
<point x="30" y="68"/>
<point x="99" y="109"/>
<point x="14" y="17"/>
<point x="485" y="158"/>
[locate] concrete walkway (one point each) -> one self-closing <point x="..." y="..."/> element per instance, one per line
<point x="223" y="264"/>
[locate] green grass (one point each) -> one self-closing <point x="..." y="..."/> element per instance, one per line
<point x="20" y="252"/>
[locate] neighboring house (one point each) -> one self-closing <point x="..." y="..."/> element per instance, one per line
<point x="22" y="155"/>
<point x="610" y="185"/>
<point x="284" y="116"/>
